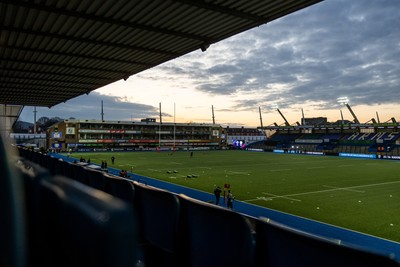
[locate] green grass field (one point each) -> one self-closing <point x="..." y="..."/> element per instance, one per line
<point x="357" y="194"/>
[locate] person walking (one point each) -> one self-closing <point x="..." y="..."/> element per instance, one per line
<point x="230" y="198"/>
<point x="217" y="193"/>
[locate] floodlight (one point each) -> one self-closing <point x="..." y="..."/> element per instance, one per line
<point x="275" y="107"/>
<point x="343" y="100"/>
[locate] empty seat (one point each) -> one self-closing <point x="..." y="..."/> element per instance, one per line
<point x="279" y="245"/>
<point x="120" y="187"/>
<point x="12" y="218"/>
<point x="158" y="215"/>
<point x="95" y="178"/>
<point x="79" y="174"/>
<point x="83" y="226"/>
<point x="214" y="236"/>
<point x="32" y="174"/>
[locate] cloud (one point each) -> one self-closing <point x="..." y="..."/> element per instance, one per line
<point x="89" y="107"/>
<point x="331" y="49"/>
<point x="310" y="57"/>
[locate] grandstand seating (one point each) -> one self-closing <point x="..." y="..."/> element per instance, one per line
<point x="31" y="175"/>
<point x="119" y="187"/>
<point x="84" y="226"/>
<point x="158" y="213"/>
<point x="214" y="236"/>
<point x="71" y="224"/>
<point x="81" y="226"/>
<point x="363" y="143"/>
<point x="96" y="179"/>
<point x="304" y="249"/>
<point x="12" y="220"/>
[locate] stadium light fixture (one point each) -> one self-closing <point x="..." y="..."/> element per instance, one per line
<point x="275" y="107"/>
<point x="343" y="100"/>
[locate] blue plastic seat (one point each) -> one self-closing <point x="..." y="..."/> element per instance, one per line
<point x="32" y="174"/>
<point x="12" y="220"/>
<point x="158" y="215"/>
<point x="95" y="178"/>
<point x="279" y="245"/>
<point x="120" y="187"/>
<point x="214" y="236"/>
<point x="85" y="227"/>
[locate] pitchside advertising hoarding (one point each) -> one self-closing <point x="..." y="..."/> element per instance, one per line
<point x="56" y="145"/>
<point x="56" y="135"/>
<point x="70" y="130"/>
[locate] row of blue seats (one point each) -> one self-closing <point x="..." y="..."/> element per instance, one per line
<point x="83" y="217"/>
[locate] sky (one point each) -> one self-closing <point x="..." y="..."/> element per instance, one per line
<point x="303" y="61"/>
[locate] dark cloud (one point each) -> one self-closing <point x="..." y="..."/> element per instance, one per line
<point x="89" y="107"/>
<point x="331" y="49"/>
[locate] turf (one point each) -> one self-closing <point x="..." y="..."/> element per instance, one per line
<point x="357" y="194"/>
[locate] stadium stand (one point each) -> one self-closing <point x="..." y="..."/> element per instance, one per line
<point x="304" y="249"/>
<point x="173" y="230"/>
<point x="86" y="227"/>
<point x="214" y="236"/>
<point x="158" y="213"/>
<point x="12" y="222"/>
<point x="96" y="179"/>
<point x="31" y="175"/>
<point x="333" y="143"/>
<point x="119" y="187"/>
<point x="71" y="224"/>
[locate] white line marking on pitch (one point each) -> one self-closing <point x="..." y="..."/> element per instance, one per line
<point x="344" y="188"/>
<point x="341" y="188"/>
<point x="280" y="170"/>
<point x="232" y="172"/>
<point x="277" y="196"/>
<point x="327" y="190"/>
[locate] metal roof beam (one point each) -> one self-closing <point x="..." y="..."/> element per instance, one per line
<point x="56" y="10"/>
<point x="88" y="41"/>
<point x="43" y="80"/>
<point x="46" y="64"/>
<point x="16" y="85"/>
<point x="224" y="10"/>
<point x="29" y="72"/>
<point x="48" y="52"/>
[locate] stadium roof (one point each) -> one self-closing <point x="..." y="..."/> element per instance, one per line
<point x="55" y="50"/>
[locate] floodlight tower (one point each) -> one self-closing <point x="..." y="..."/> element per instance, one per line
<point x="261" y="121"/>
<point x="345" y="101"/>
<point x="277" y="109"/>
<point x="377" y="116"/>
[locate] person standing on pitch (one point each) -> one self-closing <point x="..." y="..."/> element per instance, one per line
<point x="112" y="160"/>
<point x="230" y="200"/>
<point x="217" y="193"/>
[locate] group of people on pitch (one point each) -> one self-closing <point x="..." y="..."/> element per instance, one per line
<point x="228" y="198"/>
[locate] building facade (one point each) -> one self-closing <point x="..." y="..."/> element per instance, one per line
<point x="239" y="138"/>
<point x="89" y="135"/>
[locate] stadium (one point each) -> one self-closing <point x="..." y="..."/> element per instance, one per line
<point x="125" y="193"/>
